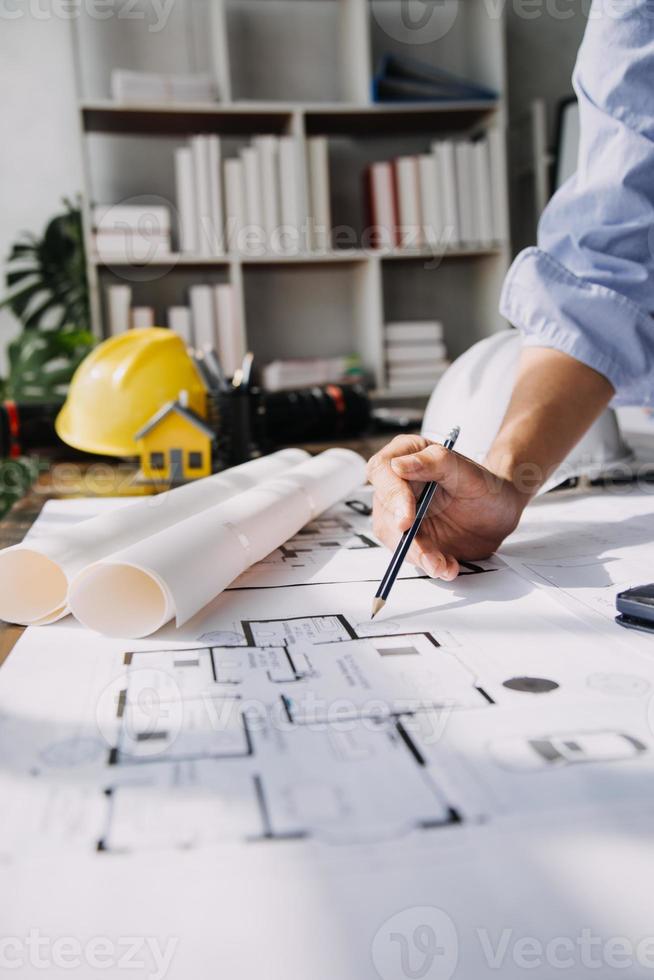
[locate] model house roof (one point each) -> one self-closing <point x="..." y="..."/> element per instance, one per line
<point x="165" y="411"/>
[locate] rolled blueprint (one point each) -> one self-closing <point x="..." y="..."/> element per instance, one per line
<point x="176" y="572"/>
<point x="35" y="575"/>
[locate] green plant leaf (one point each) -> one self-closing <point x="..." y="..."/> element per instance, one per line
<point x="41" y="363"/>
<point x="16" y="477"/>
<point x="54" y="265"/>
<point x="47" y="291"/>
<point x="20" y="298"/>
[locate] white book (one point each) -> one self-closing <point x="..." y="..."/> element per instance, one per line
<point x="444" y="152"/>
<point x="186" y="207"/>
<point x="423" y="383"/>
<point x="320" y="208"/>
<point x="411" y="387"/>
<point x="179" y="320"/>
<point x="412" y="353"/>
<point x="384" y="212"/>
<point x="145" y="219"/>
<point x="256" y="235"/>
<point x="119" y="300"/>
<point x="131" y="247"/>
<point x="413" y="331"/>
<point x="142" y="316"/>
<point x="148" y="87"/>
<point x="428" y="374"/>
<point x="408" y="202"/>
<point x="200" y="153"/>
<point x="290" y="192"/>
<point x="302" y="196"/>
<point x="430" y="200"/>
<point x="138" y="86"/>
<point x="267" y="148"/>
<point x="216" y="195"/>
<point x="192" y="88"/>
<point x="482" y="185"/>
<point x="203" y="316"/>
<point x="465" y="192"/>
<point x="231" y="348"/>
<point x="305" y="372"/>
<point x="235" y="212"/>
<point x="415" y="367"/>
<point x="409" y="371"/>
<point x="499" y="193"/>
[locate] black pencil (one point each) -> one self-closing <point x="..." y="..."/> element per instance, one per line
<point x="422" y="506"/>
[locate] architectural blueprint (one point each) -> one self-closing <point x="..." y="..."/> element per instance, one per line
<point x="586" y="548"/>
<point x="300" y="776"/>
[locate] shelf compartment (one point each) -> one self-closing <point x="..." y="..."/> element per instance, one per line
<point x="336" y="119"/>
<point x="295" y="312"/>
<point x="186" y="37"/>
<point x="464" y="296"/>
<point x="165" y="120"/>
<point x="431" y="255"/>
<point x="393" y="119"/>
<point x="349" y="163"/>
<point x="291" y="50"/>
<point x="342" y="256"/>
<point x="463" y="37"/>
<point x="158" y="292"/>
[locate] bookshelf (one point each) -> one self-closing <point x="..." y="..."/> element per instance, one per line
<point x="302" y="68"/>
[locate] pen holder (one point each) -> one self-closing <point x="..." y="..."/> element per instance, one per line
<point x="234" y="410"/>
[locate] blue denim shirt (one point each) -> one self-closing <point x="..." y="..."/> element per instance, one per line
<point x="588" y="288"/>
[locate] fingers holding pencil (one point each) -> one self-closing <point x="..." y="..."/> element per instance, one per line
<point x="468" y="517"/>
<point x="408" y="539"/>
<point x="424" y="553"/>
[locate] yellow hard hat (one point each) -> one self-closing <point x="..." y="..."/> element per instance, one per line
<point x="120" y="386"/>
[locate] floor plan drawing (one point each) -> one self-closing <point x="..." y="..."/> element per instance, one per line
<point x="576" y="548"/>
<point x="325" y="534"/>
<point x="339" y="786"/>
<point x="281" y="744"/>
<point x="310" y="629"/>
<point x="336" y="547"/>
<point x="295" y="741"/>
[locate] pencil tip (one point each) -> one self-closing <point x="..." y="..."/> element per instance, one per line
<point x="377" y="604"/>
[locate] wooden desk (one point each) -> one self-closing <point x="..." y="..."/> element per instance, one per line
<point x="13" y="529"/>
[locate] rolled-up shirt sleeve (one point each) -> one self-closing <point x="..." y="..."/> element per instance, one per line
<point x="587" y="289"/>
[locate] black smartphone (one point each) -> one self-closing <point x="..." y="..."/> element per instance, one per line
<point x="636" y="608"/>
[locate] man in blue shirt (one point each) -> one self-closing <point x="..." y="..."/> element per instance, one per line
<point x="582" y="299"/>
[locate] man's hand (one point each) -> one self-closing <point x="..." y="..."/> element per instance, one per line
<point x="471" y="513"/>
<point x="555" y="399"/>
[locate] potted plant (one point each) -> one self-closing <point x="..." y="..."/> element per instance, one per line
<point x="47" y="291"/>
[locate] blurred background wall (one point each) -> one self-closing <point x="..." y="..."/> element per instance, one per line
<point x="542" y="42"/>
<point x="40" y="160"/>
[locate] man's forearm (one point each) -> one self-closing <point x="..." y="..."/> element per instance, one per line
<point x="555" y="400"/>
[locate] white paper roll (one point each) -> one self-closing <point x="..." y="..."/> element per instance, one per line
<point x="177" y="571"/>
<point x="34" y="577"/>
